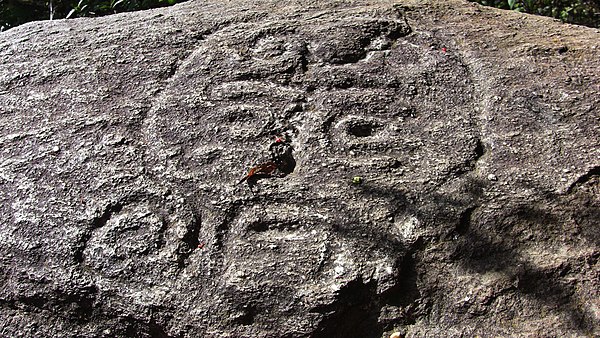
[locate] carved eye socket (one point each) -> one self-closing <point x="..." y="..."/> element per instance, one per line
<point x="361" y="128"/>
<point x="237" y="116"/>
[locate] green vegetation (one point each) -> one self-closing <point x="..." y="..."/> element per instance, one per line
<point x="582" y="12"/>
<point x="16" y="12"/>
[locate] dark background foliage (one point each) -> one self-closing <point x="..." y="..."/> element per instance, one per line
<point x="16" y="12"/>
<point x="582" y="12"/>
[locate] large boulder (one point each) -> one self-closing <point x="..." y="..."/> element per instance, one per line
<point x="446" y="178"/>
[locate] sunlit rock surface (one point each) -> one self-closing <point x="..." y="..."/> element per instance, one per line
<point x="446" y="179"/>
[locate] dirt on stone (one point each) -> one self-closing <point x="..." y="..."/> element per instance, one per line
<point x="473" y="133"/>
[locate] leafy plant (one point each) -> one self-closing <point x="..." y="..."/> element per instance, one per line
<point x="583" y="12"/>
<point x="16" y="12"/>
<point x="78" y="9"/>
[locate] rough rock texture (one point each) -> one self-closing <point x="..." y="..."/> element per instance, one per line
<point x="475" y="132"/>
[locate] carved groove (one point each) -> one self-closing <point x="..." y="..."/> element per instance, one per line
<point x="190" y="241"/>
<point x="595" y="171"/>
<point x="464" y="223"/>
<point x="471" y="163"/>
<point x="97" y="222"/>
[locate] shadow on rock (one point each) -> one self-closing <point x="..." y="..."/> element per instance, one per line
<point x="502" y="247"/>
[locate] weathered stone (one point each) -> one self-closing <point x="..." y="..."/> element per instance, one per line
<point x="474" y="132"/>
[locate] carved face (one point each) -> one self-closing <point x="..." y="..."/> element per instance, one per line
<point x="371" y="101"/>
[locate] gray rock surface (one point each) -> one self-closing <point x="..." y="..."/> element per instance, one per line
<point x="475" y="133"/>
